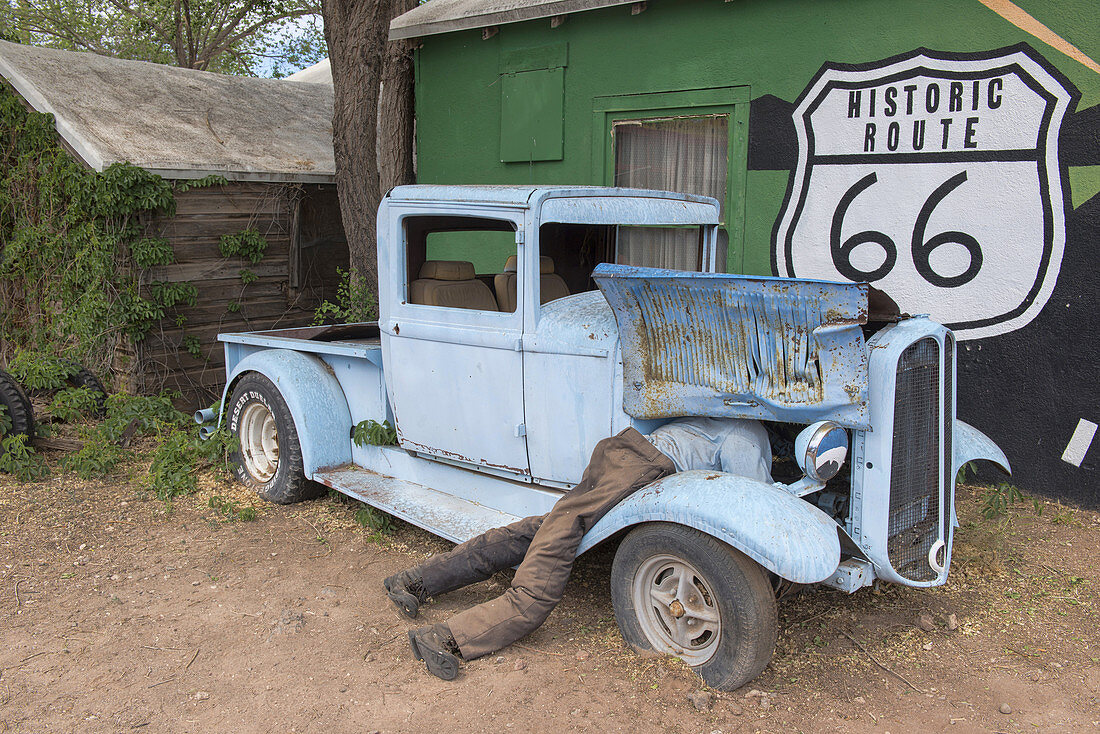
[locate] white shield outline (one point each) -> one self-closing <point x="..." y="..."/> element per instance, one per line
<point x="1021" y="59"/>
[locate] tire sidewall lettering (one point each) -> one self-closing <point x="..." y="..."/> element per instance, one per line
<point x="250" y="396"/>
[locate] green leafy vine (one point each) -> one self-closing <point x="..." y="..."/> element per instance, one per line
<point x="73" y="246"/>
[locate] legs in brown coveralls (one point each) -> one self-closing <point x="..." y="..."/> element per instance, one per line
<point x="544" y="547"/>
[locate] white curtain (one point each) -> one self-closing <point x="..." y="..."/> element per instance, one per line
<point x="685" y="154"/>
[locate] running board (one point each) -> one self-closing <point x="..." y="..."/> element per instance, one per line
<point x="445" y="515"/>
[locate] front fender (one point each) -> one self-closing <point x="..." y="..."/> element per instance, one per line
<point x="315" y="399"/>
<point x="971" y="444"/>
<point x="784" y="534"/>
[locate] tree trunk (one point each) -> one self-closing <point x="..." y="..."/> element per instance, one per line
<point x="356" y="32"/>
<point x="395" y="144"/>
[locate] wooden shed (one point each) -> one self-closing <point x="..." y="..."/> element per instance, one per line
<point x="269" y="142"/>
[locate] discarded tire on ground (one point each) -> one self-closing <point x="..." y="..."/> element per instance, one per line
<point x="83" y="377"/>
<point x="682" y="592"/>
<point x="269" y="459"/>
<point x="20" y="414"/>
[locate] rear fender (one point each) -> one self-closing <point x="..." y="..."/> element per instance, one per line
<point x="784" y="534"/>
<point x="315" y="399"/>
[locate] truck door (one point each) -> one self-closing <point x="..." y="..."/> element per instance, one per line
<point x="452" y="338"/>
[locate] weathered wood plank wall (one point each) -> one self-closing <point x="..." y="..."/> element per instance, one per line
<point x="225" y="303"/>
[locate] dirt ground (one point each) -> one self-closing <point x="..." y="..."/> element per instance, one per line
<point x="118" y="616"/>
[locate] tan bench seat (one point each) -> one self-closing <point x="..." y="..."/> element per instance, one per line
<point x="551" y="285"/>
<point x="452" y="284"/>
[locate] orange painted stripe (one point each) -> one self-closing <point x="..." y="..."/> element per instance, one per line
<point x="1018" y="17"/>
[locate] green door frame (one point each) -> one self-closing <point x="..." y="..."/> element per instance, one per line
<point x="731" y="101"/>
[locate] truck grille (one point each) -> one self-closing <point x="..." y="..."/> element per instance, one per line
<point x="915" y="474"/>
<point x="948" y="426"/>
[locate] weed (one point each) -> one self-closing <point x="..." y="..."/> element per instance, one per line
<point x="1062" y="518"/>
<point x="39" y="371"/>
<point x="355" y="302"/>
<point x="998" y="499"/>
<point x="18" y="458"/>
<point x="373" y="433"/>
<point x="172" y="472"/>
<point x="98" y="457"/>
<point x="180" y="454"/>
<point x="966" y="472"/>
<point x="215" y="450"/>
<point x="149" y="414"/>
<point x="72" y="403"/>
<point x="370" y="518"/>
<point x="5" y="421"/>
<point x="231" y="511"/>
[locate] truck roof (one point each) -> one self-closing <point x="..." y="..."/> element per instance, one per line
<point x="528" y="195"/>
<point x="574" y="204"/>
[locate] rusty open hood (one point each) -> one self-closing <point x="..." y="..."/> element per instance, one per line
<point x="739" y="346"/>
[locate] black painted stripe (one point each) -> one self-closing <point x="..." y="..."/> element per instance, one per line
<point x="961" y="156"/>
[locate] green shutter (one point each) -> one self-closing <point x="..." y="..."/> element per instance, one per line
<point x="531" y="115"/>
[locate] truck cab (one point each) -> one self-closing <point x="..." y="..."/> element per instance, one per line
<point x="518" y="362"/>
<point x="519" y="326"/>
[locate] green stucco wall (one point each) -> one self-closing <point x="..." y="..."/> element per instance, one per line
<point x="772" y="47"/>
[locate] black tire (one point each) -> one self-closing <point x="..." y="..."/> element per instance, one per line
<point x="83" y="377"/>
<point x="730" y="586"/>
<point x="271" y="461"/>
<point x="18" y="407"/>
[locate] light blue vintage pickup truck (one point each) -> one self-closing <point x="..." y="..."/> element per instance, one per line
<point x="583" y="311"/>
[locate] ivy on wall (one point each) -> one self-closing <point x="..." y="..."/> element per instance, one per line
<point x="72" y="245"/>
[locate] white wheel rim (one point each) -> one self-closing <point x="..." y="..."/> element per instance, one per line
<point x="677" y="609"/>
<point x="259" y="442"/>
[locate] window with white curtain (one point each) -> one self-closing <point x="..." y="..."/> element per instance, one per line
<point x="687" y="154"/>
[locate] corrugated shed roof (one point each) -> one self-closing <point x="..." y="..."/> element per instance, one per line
<point x="444" y="16"/>
<point x="179" y="123"/>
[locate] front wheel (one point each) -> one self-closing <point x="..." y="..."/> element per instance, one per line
<point x="679" y="591"/>
<point x="269" y="459"/>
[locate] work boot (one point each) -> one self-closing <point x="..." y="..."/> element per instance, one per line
<point x="438" y="649"/>
<point x="406" y="591"/>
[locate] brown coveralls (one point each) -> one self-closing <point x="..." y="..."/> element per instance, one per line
<point x="544" y="547"/>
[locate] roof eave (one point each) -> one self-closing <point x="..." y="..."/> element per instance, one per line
<point x="181" y="174"/>
<point x="399" y="31"/>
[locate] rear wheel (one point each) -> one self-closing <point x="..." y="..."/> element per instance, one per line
<point x="679" y="591"/>
<point x="269" y="458"/>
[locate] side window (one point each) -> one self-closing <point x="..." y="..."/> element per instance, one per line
<point x="685" y="154"/>
<point x="461" y="262"/>
<point x="692" y="141"/>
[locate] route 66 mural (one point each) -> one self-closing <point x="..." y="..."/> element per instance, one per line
<point x="936" y="178"/>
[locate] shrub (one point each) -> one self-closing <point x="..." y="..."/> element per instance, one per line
<point x="72" y="403"/>
<point x="17" y="457"/>
<point x="97" y="458"/>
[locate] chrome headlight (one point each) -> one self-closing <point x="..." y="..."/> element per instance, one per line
<point x="821" y="449"/>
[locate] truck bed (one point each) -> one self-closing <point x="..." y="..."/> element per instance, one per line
<point x="351" y="340"/>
